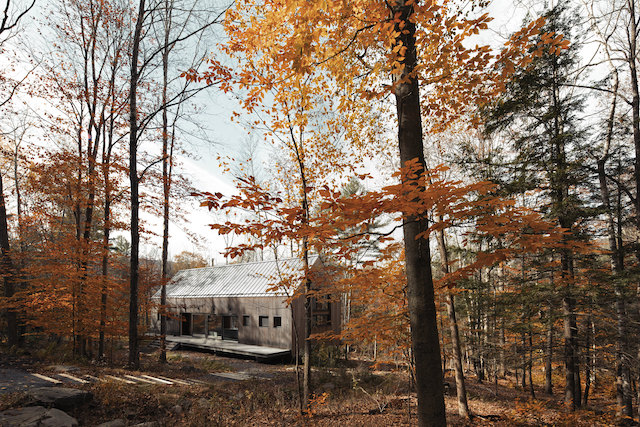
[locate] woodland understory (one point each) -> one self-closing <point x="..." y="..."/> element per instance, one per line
<point x="356" y="392"/>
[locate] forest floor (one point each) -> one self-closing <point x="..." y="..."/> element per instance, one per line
<point x="219" y="391"/>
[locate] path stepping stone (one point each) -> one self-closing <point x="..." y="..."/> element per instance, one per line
<point x="157" y="380"/>
<point x="46" y="378"/>
<point x="120" y="379"/>
<point x="142" y="380"/>
<point x="235" y="376"/>
<point x="72" y="378"/>
<point x="173" y="380"/>
<point x="60" y="397"/>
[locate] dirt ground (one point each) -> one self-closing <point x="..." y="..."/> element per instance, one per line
<point x="219" y="391"/>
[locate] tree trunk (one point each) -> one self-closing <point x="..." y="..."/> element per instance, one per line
<point x="635" y="119"/>
<point x="308" y="314"/>
<point x="420" y="292"/>
<point x="308" y="308"/>
<point x="569" y="360"/>
<point x="105" y="267"/>
<point x="548" y="368"/>
<point x="7" y="271"/>
<point x="461" y="391"/>
<point x="502" y="365"/>
<point x="20" y="326"/>
<point x="134" y="354"/>
<point x="588" y="365"/>
<point x="530" y="363"/>
<point x="624" y="397"/>
<point x="523" y="358"/>
<point x="576" y="353"/>
<point x="166" y="185"/>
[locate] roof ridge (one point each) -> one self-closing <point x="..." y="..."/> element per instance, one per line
<point x="252" y="278"/>
<point x="246" y="263"/>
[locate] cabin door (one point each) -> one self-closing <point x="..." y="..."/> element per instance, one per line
<point x="186" y="323"/>
<point x="198" y="324"/>
<point x="229" y="327"/>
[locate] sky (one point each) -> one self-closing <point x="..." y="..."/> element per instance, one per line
<point x="207" y="176"/>
<point x="226" y="138"/>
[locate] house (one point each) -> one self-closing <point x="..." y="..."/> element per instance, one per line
<point x="244" y="303"/>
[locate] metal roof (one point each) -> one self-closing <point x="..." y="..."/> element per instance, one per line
<point x="252" y="279"/>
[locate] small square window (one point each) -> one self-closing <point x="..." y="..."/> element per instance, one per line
<point x="246" y="320"/>
<point x="263" y="321"/>
<point x="277" y="321"/>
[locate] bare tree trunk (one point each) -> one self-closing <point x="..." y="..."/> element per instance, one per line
<point x="577" y="357"/>
<point x="624" y="396"/>
<point x="588" y="365"/>
<point x="569" y="359"/>
<point x="20" y="326"/>
<point x="548" y="368"/>
<point x="308" y="311"/>
<point x="7" y="270"/>
<point x="502" y="367"/>
<point x="635" y="115"/>
<point x="134" y="353"/>
<point x="560" y="195"/>
<point x="308" y="308"/>
<point x="523" y="358"/>
<point x="530" y="362"/>
<point x="107" y="147"/>
<point x="105" y="268"/>
<point x="461" y="391"/>
<point x="166" y="184"/>
<point x="420" y="292"/>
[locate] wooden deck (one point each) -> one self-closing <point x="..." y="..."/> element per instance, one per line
<point x="228" y="347"/>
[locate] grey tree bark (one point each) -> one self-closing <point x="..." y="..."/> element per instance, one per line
<point x="134" y="352"/>
<point x="420" y="292"/>
<point x="461" y="391"/>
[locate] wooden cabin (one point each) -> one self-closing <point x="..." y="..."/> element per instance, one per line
<point x="252" y="303"/>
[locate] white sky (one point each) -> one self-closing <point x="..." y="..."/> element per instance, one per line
<point x="228" y="137"/>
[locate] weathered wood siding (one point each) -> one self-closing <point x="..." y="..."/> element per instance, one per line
<point x="270" y="307"/>
<point x="298" y="315"/>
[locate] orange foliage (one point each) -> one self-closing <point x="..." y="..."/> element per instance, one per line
<point x="59" y="273"/>
<point x="377" y="285"/>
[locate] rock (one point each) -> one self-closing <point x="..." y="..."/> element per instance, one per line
<point x="114" y="423"/>
<point x="36" y="416"/>
<point x="60" y="397"/>
<point x="148" y="424"/>
<point x="177" y="410"/>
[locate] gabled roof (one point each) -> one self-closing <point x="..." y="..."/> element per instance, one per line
<point x="252" y="279"/>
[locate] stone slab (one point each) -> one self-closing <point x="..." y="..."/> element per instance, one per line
<point x="36" y="416"/>
<point x="60" y="397"/>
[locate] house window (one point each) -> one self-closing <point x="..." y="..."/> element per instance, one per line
<point x="246" y="320"/>
<point x="230" y="322"/>
<point x="263" y="321"/>
<point x="322" y="319"/>
<point x="277" y="321"/>
<point x="322" y="311"/>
